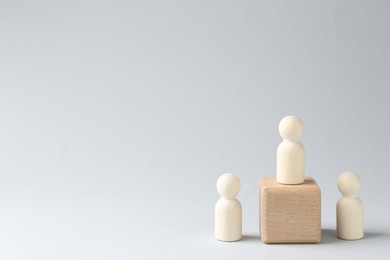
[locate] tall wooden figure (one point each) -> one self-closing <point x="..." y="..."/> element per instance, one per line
<point x="290" y="204"/>
<point x="349" y="208"/>
<point x="290" y="157"/>
<point x="228" y="210"/>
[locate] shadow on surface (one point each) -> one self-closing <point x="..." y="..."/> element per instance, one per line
<point x="329" y="236"/>
<point x="370" y="235"/>
<point x="250" y="238"/>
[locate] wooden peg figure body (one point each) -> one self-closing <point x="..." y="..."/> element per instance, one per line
<point x="228" y="210"/>
<point x="349" y="208"/>
<point x="290" y="165"/>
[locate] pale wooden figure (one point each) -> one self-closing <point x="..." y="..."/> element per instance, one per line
<point x="349" y="208"/>
<point x="228" y="210"/>
<point x="290" y="213"/>
<point x="290" y="159"/>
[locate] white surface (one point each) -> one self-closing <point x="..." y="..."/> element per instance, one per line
<point x="290" y="155"/>
<point x="117" y="118"/>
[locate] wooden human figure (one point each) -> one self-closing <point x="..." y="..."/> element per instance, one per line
<point x="228" y="210"/>
<point x="290" y="203"/>
<point x="290" y="165"/>
<point x="349" y="209"/>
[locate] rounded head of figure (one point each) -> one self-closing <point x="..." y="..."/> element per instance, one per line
<point x="291" y="128"/>
<point x="349" y="183"/>
<point x="228" y="185"/>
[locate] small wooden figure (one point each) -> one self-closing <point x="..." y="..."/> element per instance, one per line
<point x="290" y="165"/>
<point x="228" y="210"/>
<point x="349" y="209"/>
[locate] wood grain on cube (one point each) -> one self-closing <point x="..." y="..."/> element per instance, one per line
<point x="290" y="213"/>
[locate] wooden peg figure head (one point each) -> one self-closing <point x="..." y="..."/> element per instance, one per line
<point x="349" y="184"/>
<point x="228" y="186"/>
<point x="291" y="128"/>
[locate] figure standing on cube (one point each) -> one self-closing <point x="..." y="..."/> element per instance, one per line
<point x="290" y="204"/>
<point x="290" y="166"/>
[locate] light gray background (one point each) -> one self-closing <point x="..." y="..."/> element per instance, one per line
<point x="118" y="117"/>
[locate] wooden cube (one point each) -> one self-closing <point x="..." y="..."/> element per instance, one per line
<point x="290" y="213"/>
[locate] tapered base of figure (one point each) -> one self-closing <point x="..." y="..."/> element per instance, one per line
<point x="228" y="220"/>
